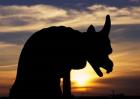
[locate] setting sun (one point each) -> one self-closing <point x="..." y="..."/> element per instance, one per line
<point x="83" y="77"/>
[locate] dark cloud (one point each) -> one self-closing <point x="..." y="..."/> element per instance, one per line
<point x="14" y="21"/>
<point x="15" y="38"/>
<point x="74" y="4"/>
<point x="123" y="84"/>
<point x="118" y="34"/>
<point x="125" y="33"/>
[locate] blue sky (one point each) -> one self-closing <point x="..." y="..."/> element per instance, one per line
<point x="19" y="19"/>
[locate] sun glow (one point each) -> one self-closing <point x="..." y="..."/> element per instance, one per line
<point x="83" y="77"/>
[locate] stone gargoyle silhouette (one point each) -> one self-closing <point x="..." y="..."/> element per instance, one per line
<point x="51" y="53"/>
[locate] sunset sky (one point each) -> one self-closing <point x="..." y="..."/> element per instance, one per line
<point x="19" y="19"/>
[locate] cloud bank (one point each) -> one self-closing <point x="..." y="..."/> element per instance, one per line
<point x="30" y="18"/>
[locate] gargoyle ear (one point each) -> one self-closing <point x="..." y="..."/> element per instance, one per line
<point x="90" y="29"/>
<point x="107" y="26"/>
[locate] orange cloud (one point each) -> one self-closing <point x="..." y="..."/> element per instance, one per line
<point x="7" y="78"/>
